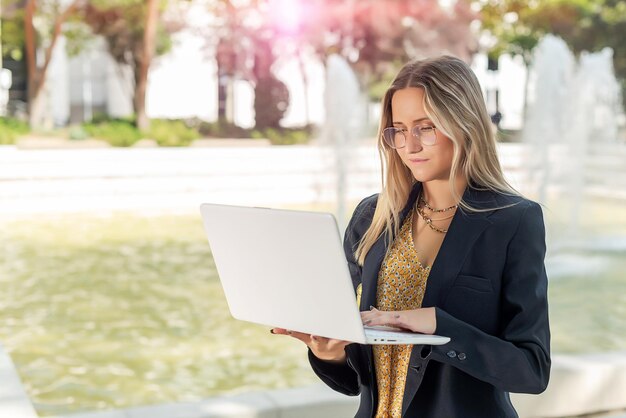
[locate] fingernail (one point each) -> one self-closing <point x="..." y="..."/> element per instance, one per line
<point x="372" y="307"/>
<point x="272" y="331"/>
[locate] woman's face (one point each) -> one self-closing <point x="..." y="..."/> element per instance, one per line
<point x="426" y="162"/>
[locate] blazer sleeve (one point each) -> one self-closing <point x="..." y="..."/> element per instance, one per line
<point x="343" y="378"/>
<point x="518" y="359"/>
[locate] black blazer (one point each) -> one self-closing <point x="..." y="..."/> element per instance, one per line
<point x="489" y="287"/>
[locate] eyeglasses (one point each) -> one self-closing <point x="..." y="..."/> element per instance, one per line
<point x="396" y="137"/>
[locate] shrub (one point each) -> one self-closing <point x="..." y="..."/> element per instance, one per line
<point x="77" y="133"/>
<point x="171" y="133"/>
<point x="283" y="136"/>
<point x="221" y="129"/>
<point x="10" y="129"/>
<point x="117" y="132"/>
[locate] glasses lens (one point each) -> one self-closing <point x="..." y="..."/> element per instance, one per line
<point x="426" y="134"/>
<point x="393" y="137"/>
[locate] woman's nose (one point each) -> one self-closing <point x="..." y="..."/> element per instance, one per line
<point x="413" y="144"/>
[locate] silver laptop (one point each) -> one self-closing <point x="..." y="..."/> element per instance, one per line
<point x="287" y="269"/>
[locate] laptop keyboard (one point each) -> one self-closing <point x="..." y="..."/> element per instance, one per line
<point x="386" y="333"/>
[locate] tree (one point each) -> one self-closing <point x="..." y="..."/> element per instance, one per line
<point x="271" y="96"/>
<point x="589" y="26"/>
<point x="134" y="35"/>
<point x="44" y="38"/>
<point x="517" y="26"/>
<point x="246" y="46"/>
<point x="145" y="59"/>
<point x="375" y="36"/>
<point x="509" y="22"/>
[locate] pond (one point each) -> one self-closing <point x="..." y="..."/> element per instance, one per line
<point x="119" y="310"/>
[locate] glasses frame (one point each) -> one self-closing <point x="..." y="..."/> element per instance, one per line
<point x="416" y="132"/>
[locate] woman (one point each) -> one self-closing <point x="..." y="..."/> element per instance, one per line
<point x="447" y="247"/>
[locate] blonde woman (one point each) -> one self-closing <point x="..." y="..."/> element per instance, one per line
<point x="447" y="247"/>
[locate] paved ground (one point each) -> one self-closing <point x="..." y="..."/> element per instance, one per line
<point x="179" y="179"/>
<point x="38" y="181"/>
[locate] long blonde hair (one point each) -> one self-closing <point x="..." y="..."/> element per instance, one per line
<point x="454" y="102"/>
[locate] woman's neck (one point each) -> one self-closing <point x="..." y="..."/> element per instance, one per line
<point x="438" y="194"/>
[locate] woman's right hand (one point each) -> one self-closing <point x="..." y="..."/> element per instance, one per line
<point x="326" y="349"/>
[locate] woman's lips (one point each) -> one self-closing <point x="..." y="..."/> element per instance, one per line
<point x="417" y="160"/>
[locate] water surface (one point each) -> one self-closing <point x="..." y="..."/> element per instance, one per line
<point x="121" y="310"/>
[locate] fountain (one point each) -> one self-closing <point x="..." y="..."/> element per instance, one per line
<point x="573" y="109"/>
<point x="344" y="106"/>
<point x="545" y="120"/>
<point x="570" y="133"/>
<point x="592" y="111"/>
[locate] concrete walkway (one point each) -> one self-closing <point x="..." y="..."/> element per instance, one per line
<point x="57" y="181"/>
<point x="179" y="179"/>
<point x="14" y="402"/>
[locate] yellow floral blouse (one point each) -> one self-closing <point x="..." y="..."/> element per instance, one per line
<point x="401" y="284"/>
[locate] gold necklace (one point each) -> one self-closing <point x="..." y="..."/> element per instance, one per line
<point x="428" y="220"/>
<point x="442" y="219"/>
<point x="421" y="199"/>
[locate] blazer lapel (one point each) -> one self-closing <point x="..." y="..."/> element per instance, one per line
<point x="462" y="232"/>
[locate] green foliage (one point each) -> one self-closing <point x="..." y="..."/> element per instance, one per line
<point x="509" y="22"/>
<point x="283" y="136"/>
<point x="379" y="86"/>
<point x="124" y="133"/>
<point x="179" y="133"/>
<point x="12" y="31"/>
<point x="587" y="25"/>
<point x="596" y="24"/>
<point x="117" y="132"/>
<point x="220" y="129"/>
<point x="171" y="133"/>
<point x="78" y="36"/>
<point x="77" y="133"/>
<point x="10" y="129"/>
<point x="121" y="23"/>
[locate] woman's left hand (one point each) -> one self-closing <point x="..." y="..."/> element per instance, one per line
<point x="421" y="320"/>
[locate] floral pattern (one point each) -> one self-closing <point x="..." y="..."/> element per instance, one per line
<point x="401" y="285"/>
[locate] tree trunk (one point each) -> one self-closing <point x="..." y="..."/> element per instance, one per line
<point x="305" y="83"/>
<point x="222" y="93"/>
<point x="36" y="76"/>
<point x="30" y="40"/>
<point x="143" y="64"/>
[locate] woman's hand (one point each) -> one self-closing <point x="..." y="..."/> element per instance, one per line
<point x="421" y="320"/>
<point x="326" y="349"/>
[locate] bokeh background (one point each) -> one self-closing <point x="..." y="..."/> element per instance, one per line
<point x="118" y="118"/>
